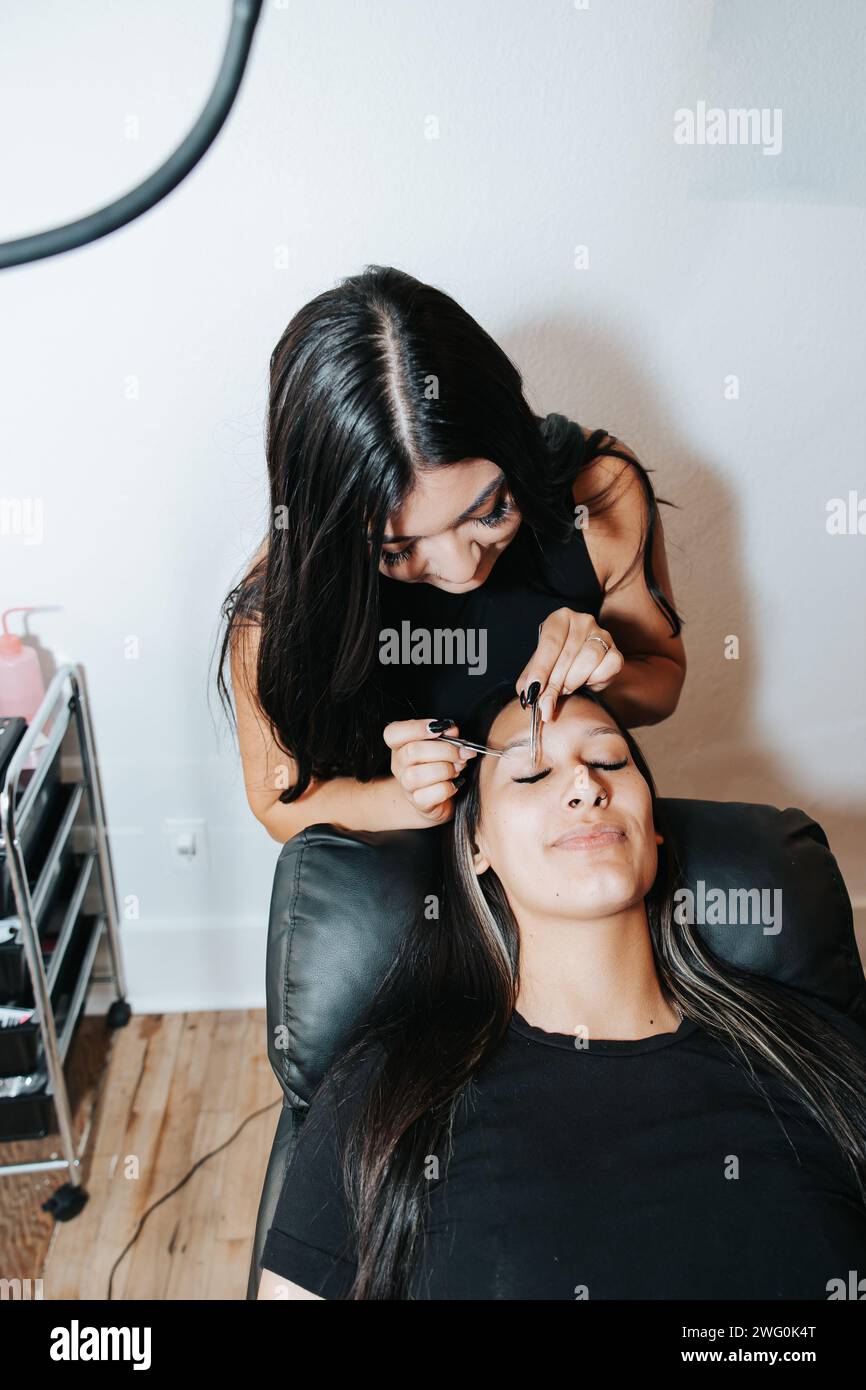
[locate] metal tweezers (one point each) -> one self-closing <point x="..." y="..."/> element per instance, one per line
<point x="502" y="752"/>
<point x="478" y="747"/>
<point x="533" y="735"/>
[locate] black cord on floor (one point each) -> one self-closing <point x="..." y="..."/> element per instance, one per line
<point x="179" y="1185"/>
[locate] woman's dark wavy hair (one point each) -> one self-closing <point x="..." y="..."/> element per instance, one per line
<point x="444" y="1006"/>
<point x="371" y="382"/>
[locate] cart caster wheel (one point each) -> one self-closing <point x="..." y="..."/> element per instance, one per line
<point x="66" y="1202"/>
<point x="119" y="1014"/>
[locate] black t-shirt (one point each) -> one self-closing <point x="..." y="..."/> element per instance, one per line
<point x="646" y="1169"/>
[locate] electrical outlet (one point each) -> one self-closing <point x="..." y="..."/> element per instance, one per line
<point x="187" y="842"/>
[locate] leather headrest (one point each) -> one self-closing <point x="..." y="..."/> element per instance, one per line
<point x="341" y="902"/>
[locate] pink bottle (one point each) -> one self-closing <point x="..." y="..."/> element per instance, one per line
<point x="22" y="688"/>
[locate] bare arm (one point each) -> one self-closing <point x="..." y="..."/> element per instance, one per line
<point x="648" y="687"/>
<point x="383" y="804"/>
<point x="274" y="1286"/>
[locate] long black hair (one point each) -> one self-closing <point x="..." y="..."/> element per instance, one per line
<point x="372" y="381"/>
<point x="446" y="1002"/>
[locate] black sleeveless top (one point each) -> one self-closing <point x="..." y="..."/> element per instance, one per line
<point x="465" y="644"/>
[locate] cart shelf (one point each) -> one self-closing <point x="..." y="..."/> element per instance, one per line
<point x="46" y="967"/>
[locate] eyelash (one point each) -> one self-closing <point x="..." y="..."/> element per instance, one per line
<point x="536" y="777"/>
<point x="493" y="518"/>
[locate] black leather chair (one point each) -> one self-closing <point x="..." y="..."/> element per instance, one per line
<point x="341" y="902"/>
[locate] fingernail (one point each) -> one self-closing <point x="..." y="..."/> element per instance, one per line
<point x="522" y="698"/>
<point x="533" y="692"/>
<point x="459" y="780"/>
<point x="438" y="726"/>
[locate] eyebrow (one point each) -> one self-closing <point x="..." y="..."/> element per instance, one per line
<point x="479" y="502"/>
<point x="523" y="741"/>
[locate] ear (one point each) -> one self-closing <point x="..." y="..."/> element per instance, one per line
<point x="480" y="862"/>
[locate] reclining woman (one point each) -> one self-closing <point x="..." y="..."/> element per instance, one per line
<point x="560" y="1092"/>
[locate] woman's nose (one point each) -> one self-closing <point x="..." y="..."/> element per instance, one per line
<point x="585" y="788"/>
<point x="452" y="559"/>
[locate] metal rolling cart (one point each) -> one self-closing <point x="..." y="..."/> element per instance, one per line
<point x="49" y="960"/>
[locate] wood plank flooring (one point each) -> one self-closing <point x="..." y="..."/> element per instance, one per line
<point x="177" y="1087"/>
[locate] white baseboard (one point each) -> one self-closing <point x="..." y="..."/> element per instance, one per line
<point x="192" y="965"/>
<point x="187" y="966"/>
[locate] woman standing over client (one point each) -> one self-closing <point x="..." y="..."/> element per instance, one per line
<point x="430" y="536"/>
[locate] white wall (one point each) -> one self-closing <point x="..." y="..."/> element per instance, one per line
<point x="555" y="131"/>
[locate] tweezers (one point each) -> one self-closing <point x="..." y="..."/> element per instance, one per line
<point x="478" y="747"/>
<point x="533" y="735"/>
<point x="534" y="717"/>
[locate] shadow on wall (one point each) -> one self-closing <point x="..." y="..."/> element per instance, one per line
<point x="711" y="747"/>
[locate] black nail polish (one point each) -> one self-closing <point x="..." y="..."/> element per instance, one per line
<point x="438" y="726"/>
<point x="522" y="698"/>
<point x="533" y="692"/>
<point x="459" y="780"/>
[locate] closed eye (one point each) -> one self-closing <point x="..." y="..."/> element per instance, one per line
<point x="537" y="776"/>
<point x="500" y="512"/>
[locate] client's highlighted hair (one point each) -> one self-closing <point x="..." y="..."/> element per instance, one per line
<point x="446" y="1003"/>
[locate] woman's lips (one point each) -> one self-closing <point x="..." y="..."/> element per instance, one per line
<point x="590" y="839"/>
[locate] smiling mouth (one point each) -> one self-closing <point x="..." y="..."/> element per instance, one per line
<point x="592" y="839"/>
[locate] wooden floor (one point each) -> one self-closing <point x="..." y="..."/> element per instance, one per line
<point x="178" y="1086"/>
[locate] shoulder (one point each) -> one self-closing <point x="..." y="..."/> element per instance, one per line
<point x="608" y="461"/>
<point x="611" y="486"/>
<point x="596" y="457"/>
